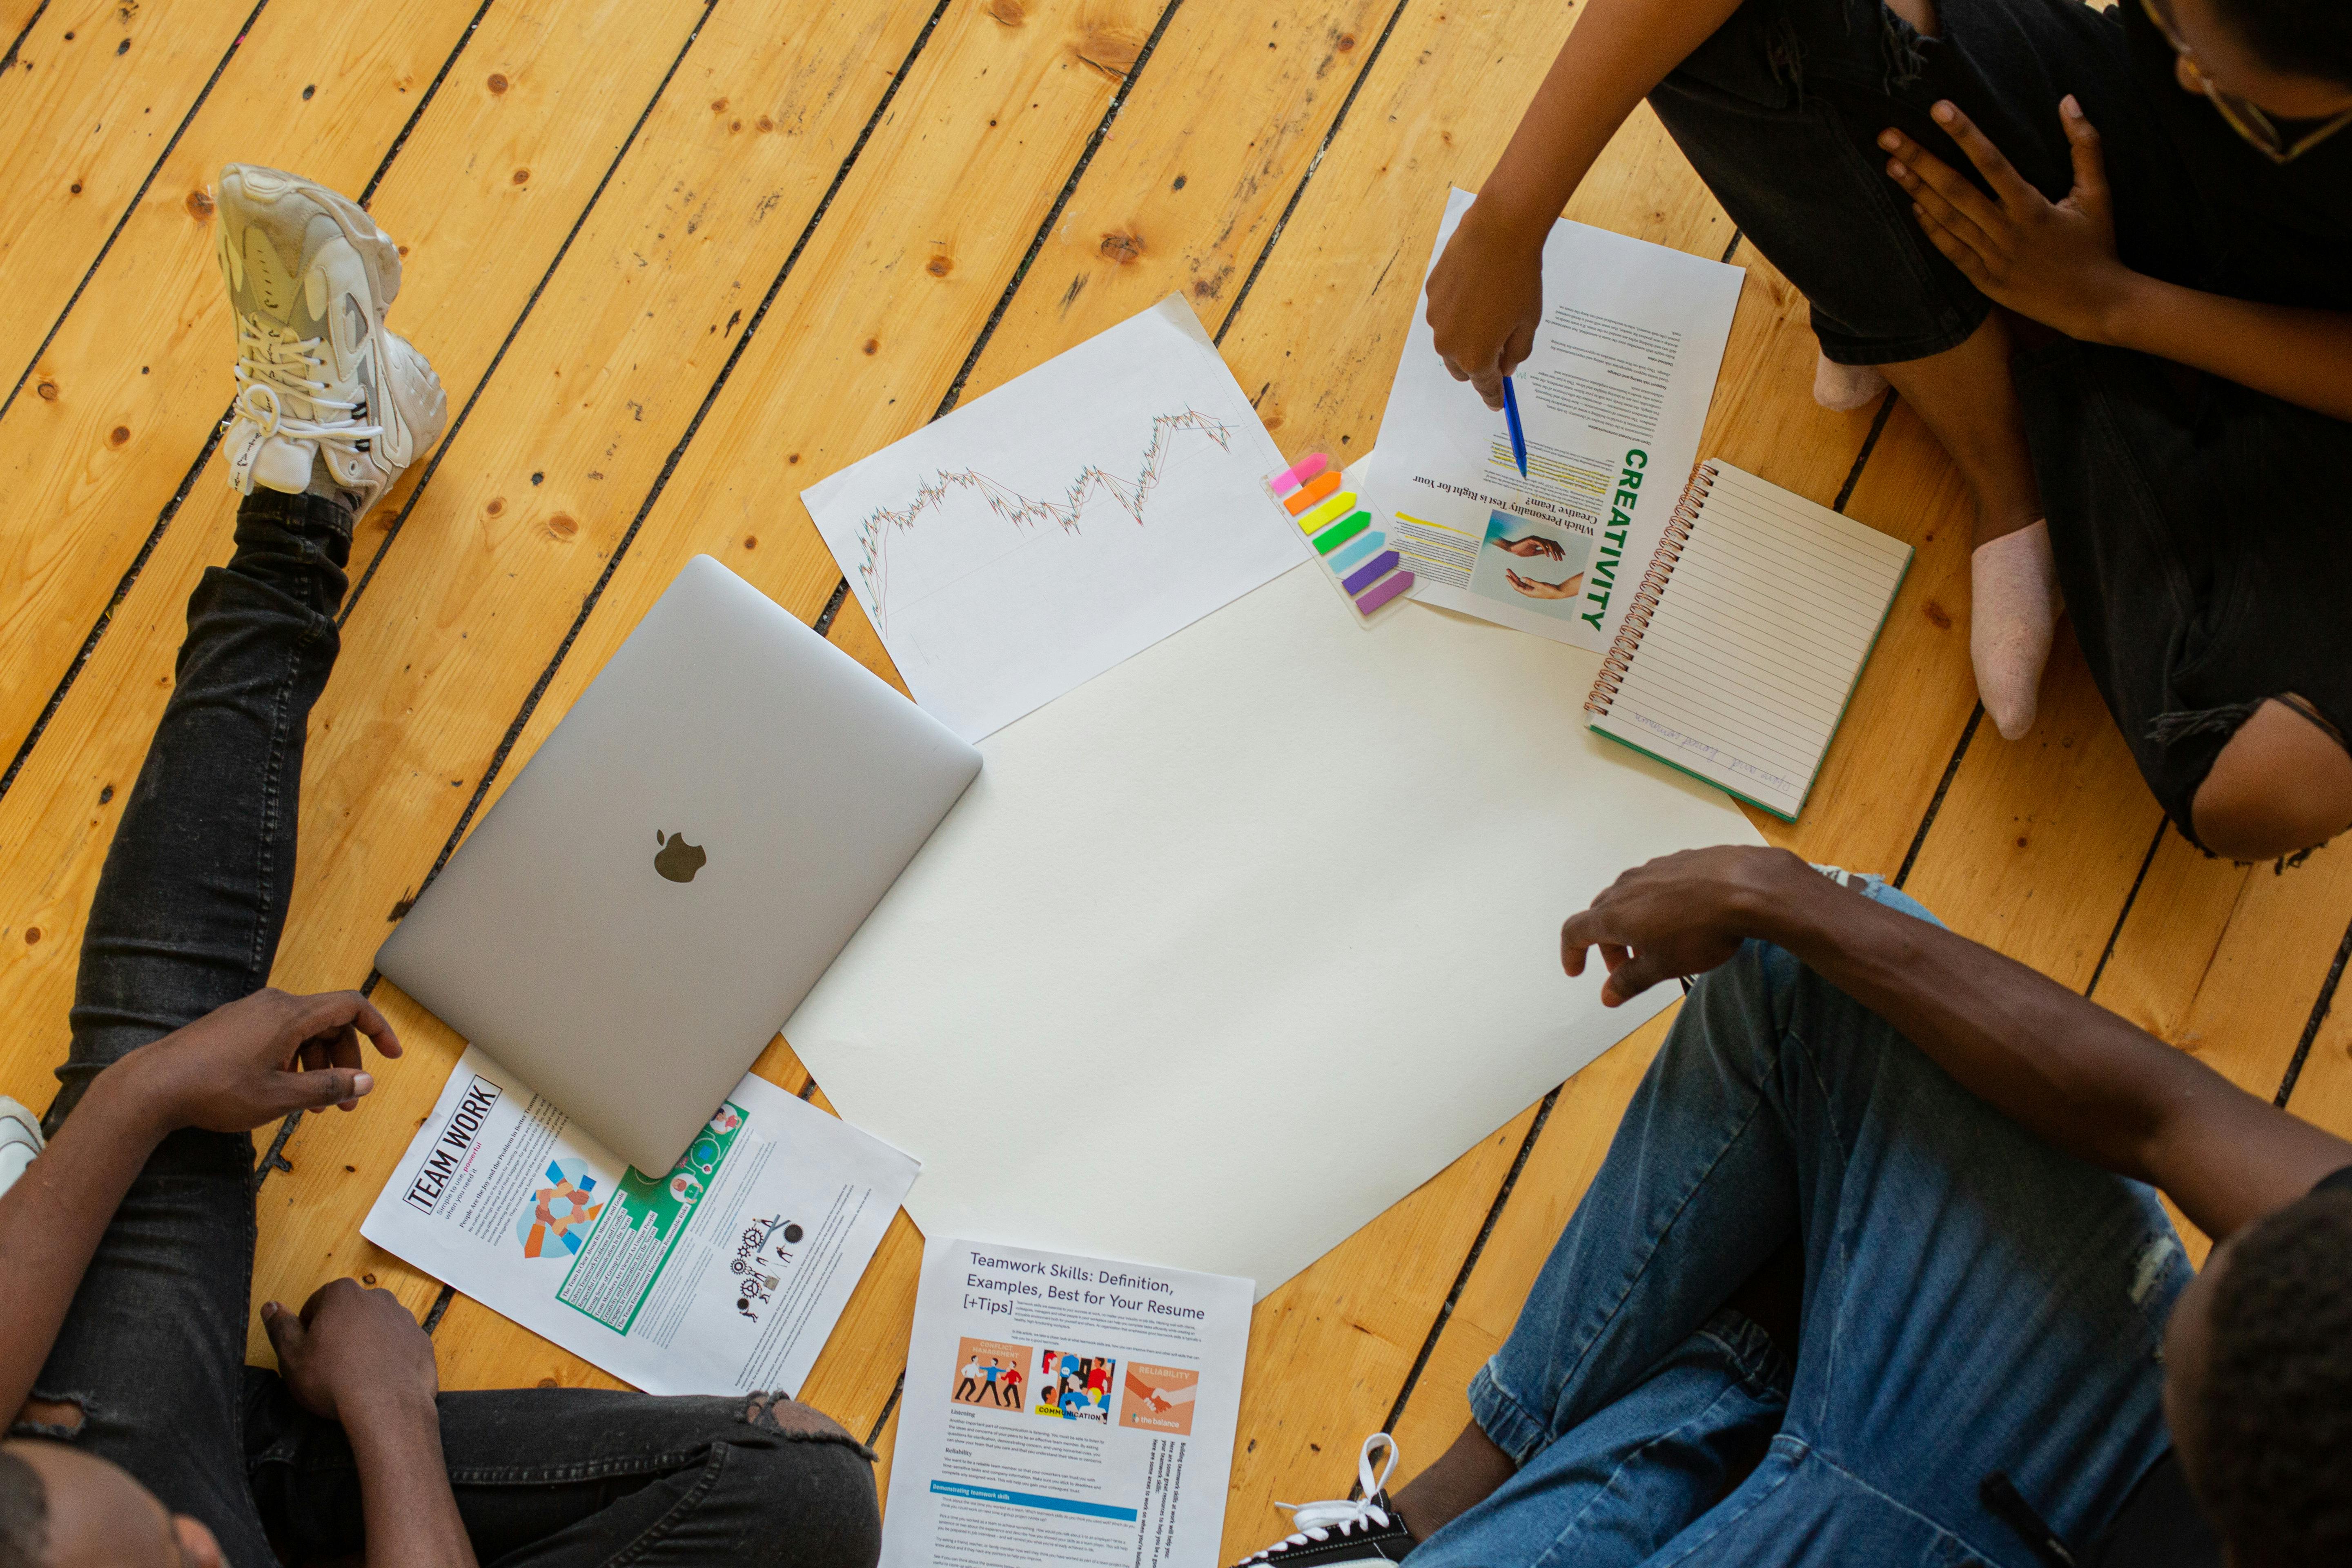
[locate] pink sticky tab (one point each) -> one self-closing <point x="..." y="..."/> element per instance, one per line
<point x="1298" y="473"/>
<point x="1382" y="592"/>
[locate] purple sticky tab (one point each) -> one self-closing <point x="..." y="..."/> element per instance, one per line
<point x="1370" y="573"/>
<point x="1372" y="599"/>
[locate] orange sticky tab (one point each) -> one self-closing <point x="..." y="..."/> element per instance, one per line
<point x="1312" y="491"/>
<point x="1331" y="510"/>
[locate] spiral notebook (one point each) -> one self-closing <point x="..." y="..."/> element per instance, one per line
<point x="1746" y="635"/>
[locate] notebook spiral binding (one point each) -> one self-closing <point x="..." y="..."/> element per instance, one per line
<point x="1645" y="597"/>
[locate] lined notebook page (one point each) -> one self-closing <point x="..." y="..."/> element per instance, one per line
<point x="1761" y="633"/>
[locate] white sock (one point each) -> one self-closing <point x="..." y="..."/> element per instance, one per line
<point x="2014" y="603"/>
<point x="1842" y="388"/>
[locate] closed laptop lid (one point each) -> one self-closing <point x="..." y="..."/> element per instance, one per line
<point x="630" y="924"/>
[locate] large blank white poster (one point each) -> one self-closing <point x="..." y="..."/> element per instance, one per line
<point x="1235" y="945"/>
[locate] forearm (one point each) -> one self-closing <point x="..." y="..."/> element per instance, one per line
<point x="52" y="1219"/>
<point x="2076" y="1075"/>
<point x="2303" y="356"/>
<point x="1618" y="50"/>
<point x="412" y="1515"/>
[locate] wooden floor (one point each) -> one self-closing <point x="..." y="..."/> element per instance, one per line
<point x="677" y="259"/>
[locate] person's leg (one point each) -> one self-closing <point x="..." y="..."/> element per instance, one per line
<point x="558" y="1478"/>
<point x="1780" y="113"/>
<point x="1972" y="1300"/>
<point x="147" y="1369"/>
<point x="2207" y="586"/>
<point x="1620" y="1485"/>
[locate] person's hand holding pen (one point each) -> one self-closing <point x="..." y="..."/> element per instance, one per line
<point x="1485" y="297"/>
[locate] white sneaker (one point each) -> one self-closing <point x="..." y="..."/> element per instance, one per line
<point x="1366" y="1529"/>
<point x="310" y="277"/>
<point x="20" y="1140"/>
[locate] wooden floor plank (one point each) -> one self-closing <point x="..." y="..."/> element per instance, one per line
<point x="2040" y="840"/>
<point x="2322" y="1089"/>
<point x="99" y="89"/>
<point x="452" y="639"/>
<point x="1913" y="703"/>
<point x="127" y="392"/>
<point x="544" y="92"/>
<point x="2228" y="962"/>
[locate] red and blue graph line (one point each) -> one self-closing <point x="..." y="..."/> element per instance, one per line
<point x="874" y="531"/>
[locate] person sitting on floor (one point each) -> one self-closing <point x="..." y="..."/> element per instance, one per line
<point x="2158" y="201"/>
<point x="126" y="1244"/>
<point x="1869" y="1275"/>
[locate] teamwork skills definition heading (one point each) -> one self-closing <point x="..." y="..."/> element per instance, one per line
<point x="1047" y="1285"/>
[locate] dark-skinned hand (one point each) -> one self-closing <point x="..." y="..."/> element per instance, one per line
<point x="350" y="1344"/>
<point x="1681" y="915"/>
<point x="2054" y="262"/>
<point x="1486" y="299"/>
<point x="261" y="1057"/>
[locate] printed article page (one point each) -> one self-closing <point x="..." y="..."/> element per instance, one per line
<point x="723" y="1275"/>
<point x="1611" y="397"/>
<point x="1064" y="1410"/>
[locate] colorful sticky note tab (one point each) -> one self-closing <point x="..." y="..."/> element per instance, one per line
<point x="1330" y="511"/>
<point x="1379" y="594"/>
<point x="1346" y="559"/>
<point x="1307" y="494"/>
<point x="1298" y="473"/>
<point x="1371" y="573"/>
<point x="1338" y="533"/>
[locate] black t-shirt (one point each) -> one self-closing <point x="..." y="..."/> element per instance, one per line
<point x="2160" y="1525"/>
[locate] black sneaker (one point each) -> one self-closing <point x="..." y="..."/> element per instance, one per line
<point x="1364" y="1530"/>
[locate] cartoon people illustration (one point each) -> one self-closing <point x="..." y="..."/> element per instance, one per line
<point x="969" y="1380"/>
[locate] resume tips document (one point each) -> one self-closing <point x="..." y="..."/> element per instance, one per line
<point x="1065" y="1409"/>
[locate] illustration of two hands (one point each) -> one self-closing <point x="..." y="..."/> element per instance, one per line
<point x="1534" y="547"/>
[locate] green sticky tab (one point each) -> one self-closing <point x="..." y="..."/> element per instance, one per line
<point x="1338" y="533"/>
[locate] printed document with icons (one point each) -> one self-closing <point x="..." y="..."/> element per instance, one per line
<point x="723" y="1275"/>
<point x="1612" y="396"/>
<point x="1065" y="1409"/>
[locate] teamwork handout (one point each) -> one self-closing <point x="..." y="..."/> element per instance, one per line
<point x="1063" y="523"/>
<point x="1066" y="1410"/>
<point x="723" y="1275"/>
<point x="1612" y="399"/>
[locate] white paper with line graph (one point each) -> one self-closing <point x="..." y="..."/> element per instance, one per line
<point x="1068" y="519"/>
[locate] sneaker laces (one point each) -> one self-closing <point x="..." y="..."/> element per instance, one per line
<point x="271" y="362"/>
<point x="1317" y="1522"/>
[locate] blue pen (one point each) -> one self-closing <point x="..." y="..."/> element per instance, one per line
<point x="1511" y="418"/>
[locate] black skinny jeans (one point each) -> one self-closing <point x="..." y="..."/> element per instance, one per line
<point x="186" y="918"/>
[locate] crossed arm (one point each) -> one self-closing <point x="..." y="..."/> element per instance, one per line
<point x="2069" y="1071"/>
<point x="350" y="1354"/>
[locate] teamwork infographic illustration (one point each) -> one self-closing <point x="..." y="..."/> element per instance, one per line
<point x="723" y="1274"/>
<point x="1083" y="1413"/>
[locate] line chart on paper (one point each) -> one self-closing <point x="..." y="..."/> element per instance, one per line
<point x="1130" y="495"/>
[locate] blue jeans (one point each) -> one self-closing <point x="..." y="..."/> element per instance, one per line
<point x="1973" y="1301"/>
<point x="151" y="1360"/>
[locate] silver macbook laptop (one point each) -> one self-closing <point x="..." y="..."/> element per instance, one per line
<point x="638" y="914"/>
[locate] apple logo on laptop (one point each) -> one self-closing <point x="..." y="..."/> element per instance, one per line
<point x="677" y="860"/>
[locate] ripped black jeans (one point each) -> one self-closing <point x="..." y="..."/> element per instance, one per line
<point x="149" y="1370"/>
<point x="2205" y="561"/>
